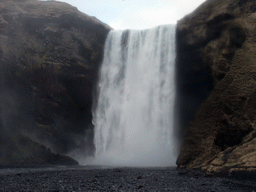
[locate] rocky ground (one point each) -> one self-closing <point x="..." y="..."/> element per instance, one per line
<point x="89" y="178"/>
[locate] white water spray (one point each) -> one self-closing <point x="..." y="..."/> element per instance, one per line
<point x="134" y="113"/>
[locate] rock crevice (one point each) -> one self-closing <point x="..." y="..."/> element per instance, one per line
<point x="218" y="37"/>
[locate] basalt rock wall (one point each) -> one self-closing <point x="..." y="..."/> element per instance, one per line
<point x="216" y="77"/>
<point x="50" y="54"/>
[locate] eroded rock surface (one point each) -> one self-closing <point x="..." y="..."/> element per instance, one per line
<point x="49" y="54"/>
<point x="219" y="38"/>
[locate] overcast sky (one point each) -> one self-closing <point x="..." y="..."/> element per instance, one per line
<point x="136" y="14"/>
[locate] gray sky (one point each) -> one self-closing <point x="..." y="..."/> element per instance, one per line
<point x="136" y="14"/>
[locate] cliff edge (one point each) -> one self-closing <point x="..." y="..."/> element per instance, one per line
<point x="218" y="41"/>
<point x="49" y="54"/>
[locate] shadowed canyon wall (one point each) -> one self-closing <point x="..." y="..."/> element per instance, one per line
<point x="50" y="54"/>
<point x="216" y="68"/>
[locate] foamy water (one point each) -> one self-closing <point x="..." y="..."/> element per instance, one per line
<point x="134" y="115"/>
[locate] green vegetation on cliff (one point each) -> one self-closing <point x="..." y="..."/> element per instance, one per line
<point x="220" y="36"/>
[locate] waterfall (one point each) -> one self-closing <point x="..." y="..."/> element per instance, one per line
<point x="133" y="117"/>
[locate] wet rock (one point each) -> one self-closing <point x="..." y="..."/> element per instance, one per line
<point x="218" y="40"/>
<point x="49" y="54"/>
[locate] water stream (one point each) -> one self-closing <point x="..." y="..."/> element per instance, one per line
<point x="133" y="117"/>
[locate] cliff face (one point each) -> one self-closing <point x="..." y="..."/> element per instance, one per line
<point x="218" y="41"/>
<point x="49" y="53"/>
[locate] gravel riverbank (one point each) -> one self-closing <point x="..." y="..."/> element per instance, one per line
<point x="93" y="178"/>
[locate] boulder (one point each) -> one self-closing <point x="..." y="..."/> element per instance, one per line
<point x="216" y="76"/>
<point x="49" y="54"/>
<point x="19" y="150"/>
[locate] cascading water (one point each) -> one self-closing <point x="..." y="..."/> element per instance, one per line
<point x="133" y="117"/>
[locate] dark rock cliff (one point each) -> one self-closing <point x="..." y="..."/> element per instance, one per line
<point x="50" y="54"/>
<point x="216" y="76"/>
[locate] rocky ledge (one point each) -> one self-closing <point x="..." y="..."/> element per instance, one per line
<point x="218" y="41"/>
<point x="49" y="54"/>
